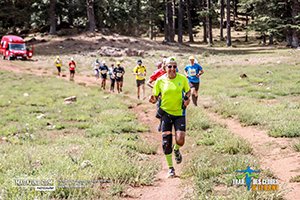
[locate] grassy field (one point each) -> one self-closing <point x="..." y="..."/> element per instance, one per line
<point x="94" y="138"/>
<point x="219" y="154"/>
<point x="98" y="136"/>
<point x="268" y="95"/>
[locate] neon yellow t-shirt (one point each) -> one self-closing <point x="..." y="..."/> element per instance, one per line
<point x="172" y="92"/>
<point x="140" y="70"/>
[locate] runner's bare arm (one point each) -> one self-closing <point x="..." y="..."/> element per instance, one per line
<point x="152" y="99"/>
<point x="200" y="72"/>
<point x="149" y="83"/>
<point x="185" y="73"/>
<point x="186" y="100"/>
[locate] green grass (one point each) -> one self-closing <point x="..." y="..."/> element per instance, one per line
<point x="94" y="138"/>
<point x="297" y="146"/>
<point x="295" y="179"/>
<point x="217" y="157"/>
<point x="221" y="140"/>
<point x="269" y="97"/>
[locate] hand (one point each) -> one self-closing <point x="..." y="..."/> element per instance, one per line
<point x="152" y="99"/>
<point x="186" y="102"/>
<point x="198" y="75"/>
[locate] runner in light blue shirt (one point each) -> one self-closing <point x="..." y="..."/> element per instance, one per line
<point x="193" y="71"/>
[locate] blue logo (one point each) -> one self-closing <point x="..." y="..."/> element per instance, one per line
<point x="248" y="174"/>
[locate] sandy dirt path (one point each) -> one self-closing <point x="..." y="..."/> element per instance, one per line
<point x="163" y="187"/>
<point x="275" y="154"/>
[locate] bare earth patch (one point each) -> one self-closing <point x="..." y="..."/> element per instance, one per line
<point x="163" y="187"/>
<point x="276" y="154"/>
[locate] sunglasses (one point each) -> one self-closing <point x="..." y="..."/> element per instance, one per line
<point x="172" y="66"/>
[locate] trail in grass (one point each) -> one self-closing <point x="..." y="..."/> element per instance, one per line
<point x="276" y="154"/>
<point x="163" y="188"/>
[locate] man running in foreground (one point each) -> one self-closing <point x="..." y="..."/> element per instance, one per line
<point x="175" y="97"/>
<point x="193" y="73"/>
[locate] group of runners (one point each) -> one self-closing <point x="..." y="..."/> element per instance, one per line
<point x="171" y="92"/>
<point x="72" y="67"/>
<point x="114" y="73"/>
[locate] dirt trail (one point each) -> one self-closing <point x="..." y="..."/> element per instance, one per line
<point x="163" y="187"/>
<point x="276" y="154"/>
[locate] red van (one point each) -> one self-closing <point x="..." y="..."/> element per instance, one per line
<point x="14" y="47"/>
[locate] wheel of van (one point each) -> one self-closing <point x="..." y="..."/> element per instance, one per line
<point x="10" y="58"/>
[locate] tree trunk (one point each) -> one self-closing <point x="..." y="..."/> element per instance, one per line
<point x="235" y="8"/>
<point x="295" y="12"/>
<point x="180" y="20"/>
<point x="173" y="19"/>
<point x="204" y="30"/>
<point x="189" y="18"/>
<point x="150" y="30"/>
<point x="169" y="12"/>
<point x="221" y="20"/>
<point x="70" y="13"/>
<point x="247" y="19"/>
<point x="264" y="39"/>
<point x="271" y="39"/>
<point x="52" y="17"/>
<point x="166" y="23"/>
<point x="289" y="37"/>
<point x="210" y="43"/>
<point x="228" y="39"/>
<point x="235" y="13"/>
<point x="138" y="17"/>
<point x="91" y="15"/>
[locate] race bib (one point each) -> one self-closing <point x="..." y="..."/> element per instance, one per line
<point x="193" y="72"/>
<point x="140" y="75"/>
<point x="119" y="75"/>
<point x="103" y="71"/>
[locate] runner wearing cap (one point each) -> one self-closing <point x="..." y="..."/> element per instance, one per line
<point x="103" y="71"/>
<point x="72" y="67"/>
<point x="58" y="64"/>
<point x="140" y="73"/>
<point x="193" y="71"/>
<point x="119" y="72"/>
<point x="175" y="92"/>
